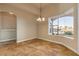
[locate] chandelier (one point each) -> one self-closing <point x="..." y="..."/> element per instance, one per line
<point x="40" y="17"/>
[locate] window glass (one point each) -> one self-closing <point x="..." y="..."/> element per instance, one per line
<point x="61" y="26"/>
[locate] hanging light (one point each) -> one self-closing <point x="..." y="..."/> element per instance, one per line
<point x="40" y="18"/>
<point x="43" y="19"/>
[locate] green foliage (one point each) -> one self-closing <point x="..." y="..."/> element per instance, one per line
<point x="68" y="33"/>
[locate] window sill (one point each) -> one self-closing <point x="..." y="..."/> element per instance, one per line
<point x="68" y="37"/>
<point x="65" y="36"/>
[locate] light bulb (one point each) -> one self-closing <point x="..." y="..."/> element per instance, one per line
<point x="39" y="19"/>
<point x="43" y="19"/>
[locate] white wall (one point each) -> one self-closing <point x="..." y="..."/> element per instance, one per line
<point x="26" y="24"/>
<point x="26" y="28"/>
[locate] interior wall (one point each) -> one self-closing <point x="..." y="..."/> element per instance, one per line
<point x="77" y="17"/>
<point x="26" y="24"/>
<point x="43" y="26"/>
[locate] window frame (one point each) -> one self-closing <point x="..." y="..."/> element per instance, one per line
<point x="58" y="27"/>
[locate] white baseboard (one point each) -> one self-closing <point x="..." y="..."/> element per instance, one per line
<point x="61" y="44"/>
<point x="6" y="40"/>
<point x="22" y="40"/>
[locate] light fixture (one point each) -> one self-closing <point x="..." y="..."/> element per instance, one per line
<point x="40" y="18"/>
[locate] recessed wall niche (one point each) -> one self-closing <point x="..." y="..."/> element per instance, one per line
<point x="7" y="26"/>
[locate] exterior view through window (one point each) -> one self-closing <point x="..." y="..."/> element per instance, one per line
<point x="61" y="26"/>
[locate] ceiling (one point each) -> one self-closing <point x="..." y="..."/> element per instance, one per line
<point x="33" y="8"/>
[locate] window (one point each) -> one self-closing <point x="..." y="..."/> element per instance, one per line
<point x="61" y="26"/>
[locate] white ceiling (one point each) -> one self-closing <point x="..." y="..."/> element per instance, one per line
<point x="31" y="7"/>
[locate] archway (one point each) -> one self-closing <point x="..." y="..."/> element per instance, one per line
<point x="7" y="27"/>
